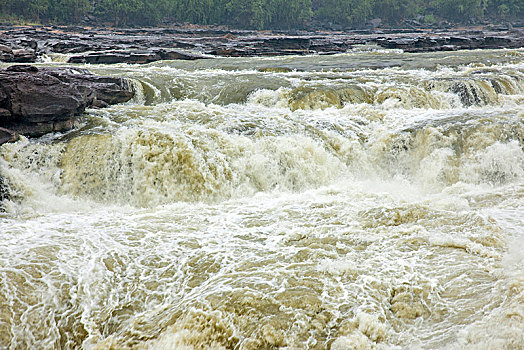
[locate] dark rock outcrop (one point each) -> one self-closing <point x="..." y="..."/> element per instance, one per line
<point x="35" y="101"/>
<point x="446" y="42"/>
<point x="134" y="56"/>
<point x="7" y="135"/>
<point x="19" y="55"/>
<point x="145" y="45"/>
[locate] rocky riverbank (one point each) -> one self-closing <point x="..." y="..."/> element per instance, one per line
<point x="110" y="45"/>
<point x="35" y="101"/>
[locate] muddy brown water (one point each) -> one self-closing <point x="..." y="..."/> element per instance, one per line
<point x="368" y="200"/>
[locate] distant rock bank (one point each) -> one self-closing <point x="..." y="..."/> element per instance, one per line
<point x="35" y="101"/>
<point x="118" y="45"/>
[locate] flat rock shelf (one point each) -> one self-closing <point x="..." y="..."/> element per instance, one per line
<point x="121" y="45"/>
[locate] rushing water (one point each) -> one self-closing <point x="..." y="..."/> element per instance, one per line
<point x="369" y="200"/>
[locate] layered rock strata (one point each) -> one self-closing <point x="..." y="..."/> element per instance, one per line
<point x="135" y="46"/>
<point x="35" y="101"/>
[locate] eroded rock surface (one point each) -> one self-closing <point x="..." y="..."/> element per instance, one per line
<point x="134" y="56"/>
<point x="120" y="45"/>
<point x="35" y="101"/>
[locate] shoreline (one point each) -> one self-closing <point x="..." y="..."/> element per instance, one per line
<point x="102" y="45"/>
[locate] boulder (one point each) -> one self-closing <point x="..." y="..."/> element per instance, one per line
<point x="34" y="101"/>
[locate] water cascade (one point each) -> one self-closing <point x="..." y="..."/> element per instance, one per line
<point x="290" y="202"/>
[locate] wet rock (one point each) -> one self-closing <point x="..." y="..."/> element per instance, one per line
<point x="288" y="43"/>
<point x="34" y="101"/>
<point x="466" y="41"/>
<point x="4" y="192"/>
<point x="494" y="42"/>
<point x="5" y="115"/>
<point x="283" y="46"/>
<point x="134" y="56"/>
<point x="6" y="53"/>
<point x="7" y="135"/>
<point x="468" y="93"/>
<point x="471" y="92"/>
<point x="144" y="45"/>
<point x="18" y="55"/>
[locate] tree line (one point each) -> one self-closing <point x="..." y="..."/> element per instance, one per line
<point x="260" y="14"/>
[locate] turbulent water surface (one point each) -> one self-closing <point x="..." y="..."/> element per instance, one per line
<point x="369" y="200"/>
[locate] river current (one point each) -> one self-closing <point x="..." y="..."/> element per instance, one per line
<point x="367" y="200"/>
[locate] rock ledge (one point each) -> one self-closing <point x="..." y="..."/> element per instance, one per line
<point x="35" y="101"/>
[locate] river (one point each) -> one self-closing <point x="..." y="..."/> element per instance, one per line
<point x="366" y="200"/>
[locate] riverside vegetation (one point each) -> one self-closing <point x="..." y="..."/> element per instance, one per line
<point x="262" y="14"/>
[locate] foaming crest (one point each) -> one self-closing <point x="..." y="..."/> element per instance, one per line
<point x="470" y="91"/>
<point x="166" y="84"/>
<point x="507" y="84"/>
<point x="457" y="150"/>
<point x="389" y="223"/>
<point x="408" y="97"/>
<point x="148" y="167"/>
<point x="31" y="177"/>
<point x="270" y="98"/>
<point x="320" y="98"/>
<point x="433" y="93"/>
<point x="402" y="88"/>
<point x="194" y="152"/>
<point x="139" y="90"/>
<point x="496" y="164"/>
<point x="54" y="58"/>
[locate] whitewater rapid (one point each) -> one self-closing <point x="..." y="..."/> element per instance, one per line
<point x="368" y="200"/>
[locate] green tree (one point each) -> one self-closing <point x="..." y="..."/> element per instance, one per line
<point x="28" y="9"/>
<point x="505" y="9"/>
<point x="344" y="12"/>
<point x="394" y="11"/>
<point x="119" y="10"/>
<point x="240" y="13"/>
<point x="289" y="13"/>
<point x="69" y="11"/>
<point x="195" y="11"/>
<point x="260" y="14"/>
<point x="458" y="10"/>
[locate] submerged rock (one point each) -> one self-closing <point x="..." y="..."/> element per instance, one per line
<point x="34" y="101"/>
<point x="471" y="92"/>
